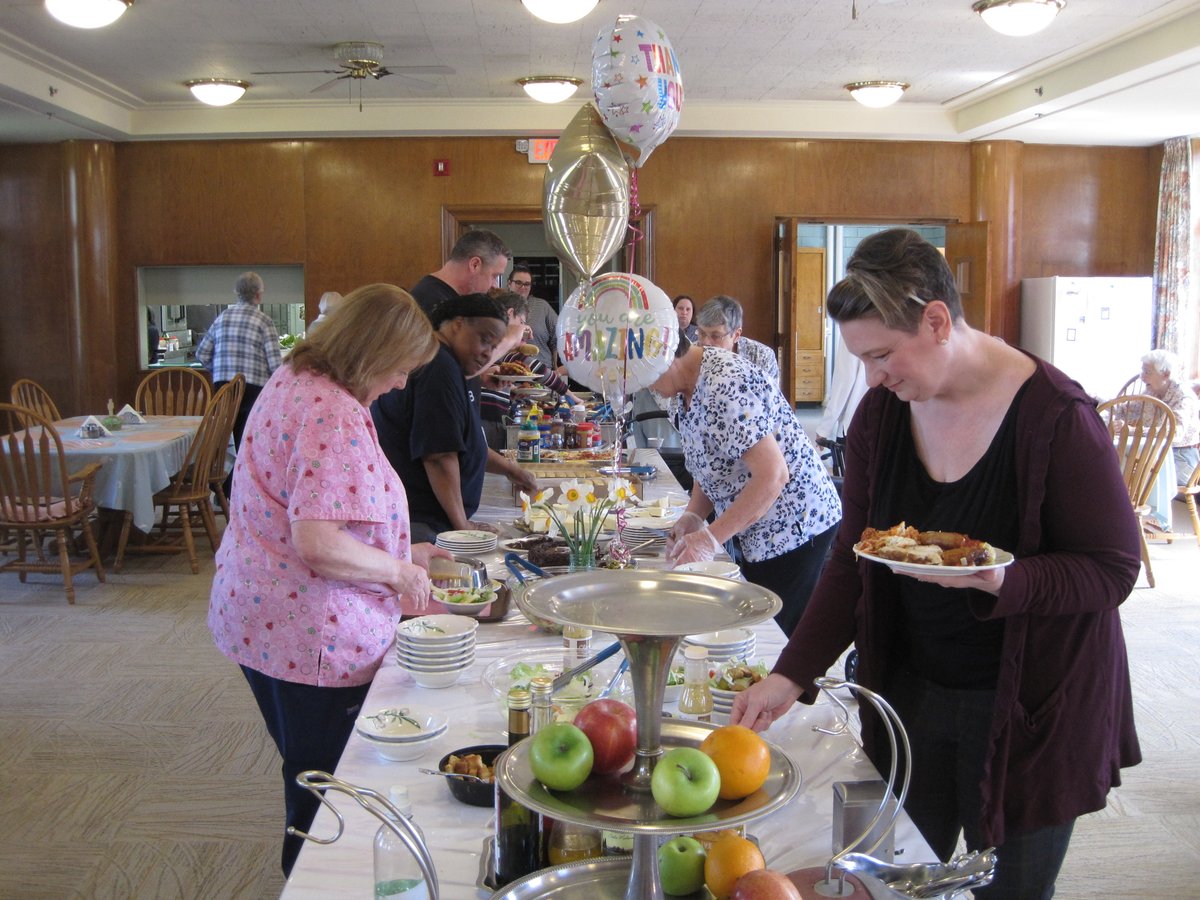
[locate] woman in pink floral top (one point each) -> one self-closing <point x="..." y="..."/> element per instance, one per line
<point x="316" y="566"/>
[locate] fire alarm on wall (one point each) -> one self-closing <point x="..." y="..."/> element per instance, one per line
<point x="441" y="167"/>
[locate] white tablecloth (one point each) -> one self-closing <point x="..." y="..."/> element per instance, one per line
<point x="794" y="836"/>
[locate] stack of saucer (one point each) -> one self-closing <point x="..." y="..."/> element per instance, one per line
<point x="467" y="542"/>
<point x="436" y="650"/>
<point x="734" y="643"/>
<point x="639" y="534"/>
<point x="401" y="733"/>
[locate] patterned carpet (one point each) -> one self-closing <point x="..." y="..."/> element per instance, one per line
<point x="137" y="765"/>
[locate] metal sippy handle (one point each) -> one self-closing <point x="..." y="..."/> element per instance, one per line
<point x="319" y="782"/>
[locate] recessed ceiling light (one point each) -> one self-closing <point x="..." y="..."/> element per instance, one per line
<point x="87" y="13"/>
<point x="560" y="12"/>
<point x="217" y="91"/>
<point x="549" y="88"/>
<point x="1018" y="18"/>
<point x="877" y="94"/>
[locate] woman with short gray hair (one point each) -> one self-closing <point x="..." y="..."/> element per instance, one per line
<point x="1161" y="372"/>
<point x="719" y="324"/>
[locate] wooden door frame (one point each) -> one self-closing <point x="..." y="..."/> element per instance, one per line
<point x="455" y="219"/>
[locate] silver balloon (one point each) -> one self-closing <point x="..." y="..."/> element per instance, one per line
<point x="585" y="194"/>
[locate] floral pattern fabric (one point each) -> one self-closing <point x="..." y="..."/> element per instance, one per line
<point x="309" y="453"/>
<point x="733" y="407"/>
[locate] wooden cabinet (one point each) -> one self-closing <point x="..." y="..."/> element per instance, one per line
<point x="808" y="324"/>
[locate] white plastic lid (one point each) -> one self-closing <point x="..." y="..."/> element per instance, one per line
<point x="695" y="652"/>
<point x="398" y="794"/>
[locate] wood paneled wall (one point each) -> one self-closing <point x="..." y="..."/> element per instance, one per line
<point x="353" y="211"/>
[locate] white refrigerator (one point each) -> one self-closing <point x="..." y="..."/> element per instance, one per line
<point x="1094" y="329"/>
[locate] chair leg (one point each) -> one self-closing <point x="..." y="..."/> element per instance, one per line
<point x="1191" y="505"/>
<point x="222" y="500"/>
<point x="1146" y="559"/>
<point x="22" y="553"/>
<point x="209" y="518"/>
<point x="93" y="550"/>
<point x="64" y="557"/>
<point x="122" y="541"/>
<point x="186" y="520"/>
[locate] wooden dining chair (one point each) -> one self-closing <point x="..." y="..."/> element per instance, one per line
<point x="190" y="489"/>
<point x="28" y="393"/>
<point x="176" y="391"/>
<point x="39" y="497"/>
<point x="1142" y="428"/>
<point x="220" y="474"/>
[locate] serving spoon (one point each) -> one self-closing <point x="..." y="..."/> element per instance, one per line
<point x="462" y="775"/>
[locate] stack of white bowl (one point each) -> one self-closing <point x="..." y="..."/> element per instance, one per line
<point x="401" y="733"/>
<point x="436" y="650"/>
<point x="722" y="646"/>
<point x="722" y="704"/>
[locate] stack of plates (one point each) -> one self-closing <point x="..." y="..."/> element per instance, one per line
<point x="401" y="733"/>
<point x="436" y="650"/>
<point x="467" y="542"/>
<point x="722" y="702"/>
<point x="637" y="534"/>
<point x="735" y="643"/>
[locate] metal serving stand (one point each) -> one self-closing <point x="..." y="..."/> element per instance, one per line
<point x="649" y="612"/>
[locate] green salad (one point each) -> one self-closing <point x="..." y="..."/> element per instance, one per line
<point x="738" y="674"/>
<point x="466" y="596"/>
<point x="675" y="676"/>
<point x="580" y="687"/>
<point x="287" y="341"/>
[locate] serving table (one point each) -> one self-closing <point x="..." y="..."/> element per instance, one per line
<point x="816" y="739"/>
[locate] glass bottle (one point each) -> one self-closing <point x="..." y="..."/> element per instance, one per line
<point x="541" y="690"/>
<point x="695" y="701"/>
<point x="577" y="645"/>
<point x="397" y="872"/>
<point x="569" y="843"/>
<point x="518" y="837"/>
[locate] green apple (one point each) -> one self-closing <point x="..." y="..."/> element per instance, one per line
<point x="560" y="756"/>
<point x="685" y="782"/>
<point x="681" y="865"/>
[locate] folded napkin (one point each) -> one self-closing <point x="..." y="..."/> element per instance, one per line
<point x="131" y="415"/>
<point x="86" y="430"/>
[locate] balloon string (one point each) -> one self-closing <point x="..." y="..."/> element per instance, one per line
<point x="635" y="212"/>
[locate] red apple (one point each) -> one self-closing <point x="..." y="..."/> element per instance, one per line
<point x="764" y="884"/>
<point x="611" y="726"/>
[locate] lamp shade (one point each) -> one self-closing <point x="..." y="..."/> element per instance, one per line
<point x="87" y="13"/>
<point x="549" y="88"/>
<point x="216" y="91"/>
<point x="877" y="94"/>
<point x="560" y="12"/>
<point x="1018" y="18"/>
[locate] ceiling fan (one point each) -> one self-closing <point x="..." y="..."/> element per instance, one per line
<point x="359" y="60"/>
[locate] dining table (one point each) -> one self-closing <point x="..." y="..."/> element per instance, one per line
<point x="821" y="741"/>
<point x="138" y="460"/>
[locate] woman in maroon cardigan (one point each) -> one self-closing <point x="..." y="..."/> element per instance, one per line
<point x="1013" y="683"/>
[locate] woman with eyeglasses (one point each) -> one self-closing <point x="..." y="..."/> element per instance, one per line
<point x="1013" y="682"/>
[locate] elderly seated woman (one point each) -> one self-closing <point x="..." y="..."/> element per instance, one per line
<point x="1162" y="374"/>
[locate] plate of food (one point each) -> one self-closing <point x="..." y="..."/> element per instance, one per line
<point x="909" y="551"/>
<point x="471" y="601"/>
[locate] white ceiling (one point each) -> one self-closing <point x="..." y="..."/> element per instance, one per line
<point x="1121" y="72"/>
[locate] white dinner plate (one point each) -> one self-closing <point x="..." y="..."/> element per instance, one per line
<point x="1003" y="558"/>
<point x="466" y="537"/>
<point x="517" y="379"/>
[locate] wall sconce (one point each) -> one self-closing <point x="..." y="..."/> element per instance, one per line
<point x="216" y="91"/>
<point x="87" y="13"/>
<point x="877" y="94"/>
<point x="560" y="12"/>
<point x="549" y="88"/>
<point x="1018" y="18"/>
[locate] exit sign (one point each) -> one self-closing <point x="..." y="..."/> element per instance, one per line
<point x="541" y="149"/>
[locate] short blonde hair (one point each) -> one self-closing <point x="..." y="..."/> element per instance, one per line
<point x="375" y="330"/>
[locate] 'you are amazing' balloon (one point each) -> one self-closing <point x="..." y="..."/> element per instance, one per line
<point x="618" y="330"/>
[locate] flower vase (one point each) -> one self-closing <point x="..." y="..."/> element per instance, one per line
<point x="582" y="558"/>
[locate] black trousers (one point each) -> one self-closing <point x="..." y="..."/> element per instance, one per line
<point x="310" y="725"/>
<point x="239" y="423"/>
<point x="948" y="731"/>
<point x="792" y="576"/>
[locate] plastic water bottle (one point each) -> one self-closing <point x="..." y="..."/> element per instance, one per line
<point x="397" y="872"/>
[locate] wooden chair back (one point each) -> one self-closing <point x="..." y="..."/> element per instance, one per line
<point x="206" y="454"/>
<point x="1142" y="428"/>
<point x="28" y="393"/>
<point x="175" y="391"/>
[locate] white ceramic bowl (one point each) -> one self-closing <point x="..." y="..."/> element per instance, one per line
<point x="422" y="653"/>
<point x="401" y="724"/>
<point x="454" y="666"/>
<point x="401" y="751"/>
<point x="436" y="629"/>
<point x="729" y="639"/>
<point x="436" y="679"/>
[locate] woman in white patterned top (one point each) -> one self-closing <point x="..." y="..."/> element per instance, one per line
<point x="755" y="468"/>
<point x="1159" y="371"/>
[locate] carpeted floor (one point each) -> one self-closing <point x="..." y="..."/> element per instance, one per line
<point x="137" y="765"/>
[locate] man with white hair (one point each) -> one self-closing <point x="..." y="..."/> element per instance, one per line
<point x="1162" y="375"/>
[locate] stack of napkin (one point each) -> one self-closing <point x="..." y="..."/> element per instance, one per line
<point x="131" y="415"/>
<point x="86" y="430"/>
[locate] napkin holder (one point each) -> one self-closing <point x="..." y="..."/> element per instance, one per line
<point x="93" y="428"/>
<point x="131" y="416"/>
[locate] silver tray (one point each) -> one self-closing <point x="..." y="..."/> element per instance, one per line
<point x="606" y="878"/>
<point x="603" y="802"/>
<point x="634" y="602"/>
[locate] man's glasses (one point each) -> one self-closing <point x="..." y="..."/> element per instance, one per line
<point x="520" y="283"/>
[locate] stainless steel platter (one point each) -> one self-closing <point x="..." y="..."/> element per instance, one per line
<point x="636" y="602"/>
<point x="605" y="802"/>
<point x="594" y="879"/>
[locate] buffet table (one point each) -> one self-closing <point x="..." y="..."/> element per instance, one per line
<point x="794" y="836"/>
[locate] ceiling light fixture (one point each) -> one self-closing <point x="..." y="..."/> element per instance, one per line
<point x="87" y="13"/>
<point x="1018" y="18"/>
<point x="877" y="94"/>
<point x="549" y="88"/>
<point x="560" y="12"/>
<point x="217" y="91"/>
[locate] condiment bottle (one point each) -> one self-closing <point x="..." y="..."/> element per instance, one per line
<point x="529" y="440"/>
<point x="577" y="645"/>
<point x="397" y="872"/>
<point x="584" y="431"/>
<point x="696" y="702"/>
<point x="544" y="432"/>
<point x="541" y="689"/>
<point x="518" y="837"/>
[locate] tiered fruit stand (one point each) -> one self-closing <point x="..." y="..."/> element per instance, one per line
<point x="649" y="613"/>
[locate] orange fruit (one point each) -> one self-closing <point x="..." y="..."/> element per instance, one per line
<point x="728" y="859"/>
<point x="742" y="757"/>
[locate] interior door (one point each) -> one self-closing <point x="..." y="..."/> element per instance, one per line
<point x="967" y="254"/>
<point x="785" y="243"/>
<point x="808" y="324"/>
